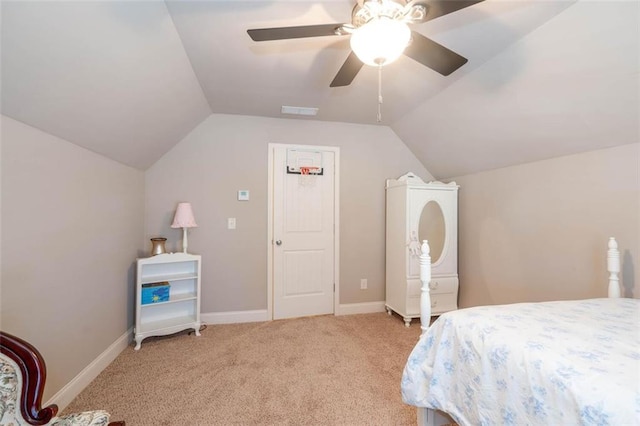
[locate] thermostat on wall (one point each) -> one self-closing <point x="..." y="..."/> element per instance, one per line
<point x="243" y="195"/>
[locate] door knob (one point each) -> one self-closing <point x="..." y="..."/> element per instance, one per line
<point x="278" y="242"/>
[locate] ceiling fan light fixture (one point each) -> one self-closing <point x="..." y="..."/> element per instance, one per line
<point x="380" y="41"/>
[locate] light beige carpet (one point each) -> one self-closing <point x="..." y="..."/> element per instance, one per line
<point x="322" y="370"/>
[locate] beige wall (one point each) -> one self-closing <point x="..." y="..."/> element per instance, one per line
<point x="73" y="223"/>
<point x="229" y="152"/>
<point x="72" y="226"/>
<point x="539" y="231"/>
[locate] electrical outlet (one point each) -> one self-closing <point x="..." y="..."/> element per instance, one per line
<point x="231" y="223"/>
<point x="363" y="284"/>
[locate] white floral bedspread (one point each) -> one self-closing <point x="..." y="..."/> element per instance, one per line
<point x="549" y="363"/>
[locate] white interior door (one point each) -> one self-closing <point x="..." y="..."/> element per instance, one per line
<point x="303" y="249"/>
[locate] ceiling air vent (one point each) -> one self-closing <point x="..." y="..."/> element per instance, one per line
<point x="299" y="110"/>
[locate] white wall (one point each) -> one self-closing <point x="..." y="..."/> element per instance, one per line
<point x="72" y="227"/>
<point x="229" y="152"/>
<point x="539" y="231"/>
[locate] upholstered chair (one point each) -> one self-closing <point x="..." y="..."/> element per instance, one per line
<point x="22" y="380"/>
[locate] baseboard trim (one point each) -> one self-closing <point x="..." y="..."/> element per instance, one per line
<point x="234" y="317"/>
<point x="360" y="308"/>
<point x="260" y="315"/>
<point x="64" y="396"/>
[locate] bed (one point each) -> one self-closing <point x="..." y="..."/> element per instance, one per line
<point x="547" y="363"/>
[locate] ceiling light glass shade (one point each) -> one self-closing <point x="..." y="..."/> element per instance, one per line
<point x="380" y="41"/>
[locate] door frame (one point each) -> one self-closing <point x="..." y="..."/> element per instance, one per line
<point x="336" y="221"/>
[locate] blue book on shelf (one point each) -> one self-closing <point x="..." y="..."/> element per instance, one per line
<point x="155" y="292"/>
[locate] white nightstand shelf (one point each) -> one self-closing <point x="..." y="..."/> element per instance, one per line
<point x="182" y="311"/>
<point x="174" y="298"/>
<point x="167" y="326"/>
<point x="168" y="277"/>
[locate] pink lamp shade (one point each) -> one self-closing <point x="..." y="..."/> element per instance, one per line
<point x="184" y="217"/>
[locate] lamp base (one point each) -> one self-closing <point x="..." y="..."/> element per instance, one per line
<point x="184" y="240"/>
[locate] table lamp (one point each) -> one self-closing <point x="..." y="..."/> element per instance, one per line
<point x="184" y="219"/>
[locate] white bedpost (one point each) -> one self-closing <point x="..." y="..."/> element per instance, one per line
<point x="425" y="278"/>
<point x="613" y="266"/>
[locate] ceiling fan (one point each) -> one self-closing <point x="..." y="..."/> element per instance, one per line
<point x="379" y="34"/>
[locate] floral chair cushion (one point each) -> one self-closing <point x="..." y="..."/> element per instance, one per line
<point x="89" y="418"/>
<point x="10" y="391"/>
<point x="9" y="388"/>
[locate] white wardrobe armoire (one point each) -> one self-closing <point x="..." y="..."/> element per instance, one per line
<point x="418" y="211"/>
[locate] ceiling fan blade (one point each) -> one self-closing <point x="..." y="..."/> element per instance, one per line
<point x="284" y="33"/>
<point x="433" y="55"/>
<point x="444" y="7"/>
<point x="347" y="72"/>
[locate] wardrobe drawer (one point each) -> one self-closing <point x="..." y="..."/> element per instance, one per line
<point x="414" y="288"/>
<point x="439" y="285"/>
<point x="440" y="303"/>
<point x="443" y="302"/>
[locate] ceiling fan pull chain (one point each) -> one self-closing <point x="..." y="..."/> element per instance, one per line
<point x="379" y="93"/>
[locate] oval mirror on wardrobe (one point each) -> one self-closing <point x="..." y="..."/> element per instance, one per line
<point x="432" y="229"/>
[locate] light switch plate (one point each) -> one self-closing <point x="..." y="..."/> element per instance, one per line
<point x="231" y="223"/>
<point x="243" y="195"/>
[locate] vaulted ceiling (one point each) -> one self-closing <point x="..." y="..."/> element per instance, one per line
<point x="129" y="79"/>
